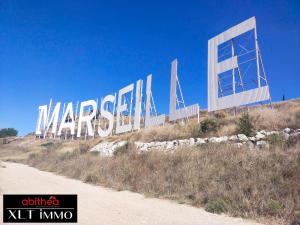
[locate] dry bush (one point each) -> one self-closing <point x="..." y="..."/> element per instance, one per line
<point x="221" y="114"/>
<point x="219" y="177"/>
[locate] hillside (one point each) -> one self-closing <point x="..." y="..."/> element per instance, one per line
<point x="261" y="182"/>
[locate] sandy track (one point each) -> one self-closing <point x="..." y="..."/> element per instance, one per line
<point x="98" y="205"/>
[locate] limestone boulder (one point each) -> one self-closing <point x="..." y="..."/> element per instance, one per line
<point x="242" y="137"/>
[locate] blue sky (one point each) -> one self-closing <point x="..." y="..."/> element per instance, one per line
<point x="81" y="50"/>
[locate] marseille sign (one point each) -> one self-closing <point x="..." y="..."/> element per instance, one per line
<point x="129" y="110"/>
<point x="121" y="115"/>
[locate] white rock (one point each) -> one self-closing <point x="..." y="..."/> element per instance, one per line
<point x="242" y="137"/>
<point x="268" y="133"/>
<point x="138" y="144"/>
<point x="259" y="136"/>
<point x="200" y="141"/>
<point x="143" y="149"/>
<point x="287" y="130"/>
<point x="252" y="139"/>
<point x="117" y="145"/>
<point x="218" y="139"/>
<point x="184" y="142"/>
<point x="175" y="142"/>
<point x="155" y="144"/>
<point x="213" y="140"/>
<point x="164" y="144"/>
<point x="104" y="148"/>
<point x="223" y="139"/>
<point x="233" y="138"/>
<point x="121" y="143"/>
<point x="146" y="145"/>
<point x="296" y="134"/>
<point x="170" y="145"/>
<point x="192" y="141"/>
<point x="262" y="144"/>
<point x="149" y="144"/>
<point x="263" y="132"/>
<point x="286" y="136"/>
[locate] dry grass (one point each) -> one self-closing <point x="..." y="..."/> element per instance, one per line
<point x="243" y="183"/>
<point x="164" y="133"/>
<point x="218" y="177"/>
<point x="281" y="116"/>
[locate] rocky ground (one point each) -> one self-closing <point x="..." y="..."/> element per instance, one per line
<point x="260" y="140"/>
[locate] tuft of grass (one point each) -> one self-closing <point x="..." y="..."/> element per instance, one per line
<point x="277" y="140"/>
<point x="217" y="206"/>
<point x="91" y="178"/>
<point x="275" y="207"/>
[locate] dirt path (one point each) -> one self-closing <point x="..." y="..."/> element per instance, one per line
<point x="98" y="205"/>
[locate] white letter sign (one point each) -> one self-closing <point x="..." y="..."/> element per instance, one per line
<point x="261" y="93"/>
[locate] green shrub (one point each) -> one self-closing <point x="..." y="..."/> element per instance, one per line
<point x="275" y="207"/>
<point x="216" y="206"/>
<point x="245" y="125"/>
<point x="8" y="132"/>
<point x="51" y="145"/>
<point x="83" y="148"/>
<point x="209" y="125"/>
<point x="47" y="144"/>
